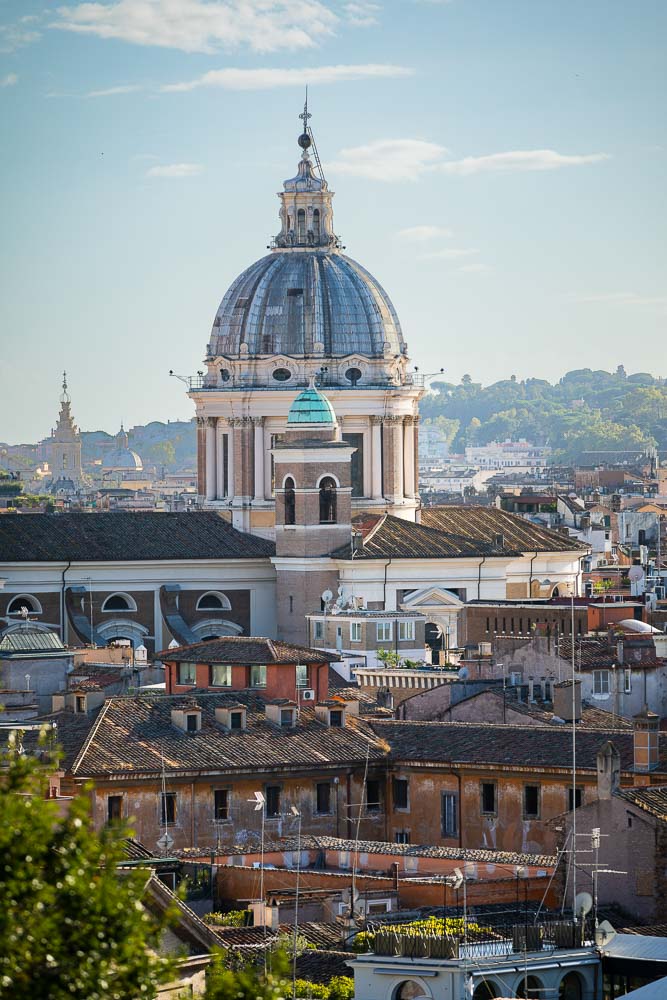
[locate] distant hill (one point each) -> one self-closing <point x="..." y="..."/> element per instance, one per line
<point x="172" y="446"/>
<point x="585" y="411"/>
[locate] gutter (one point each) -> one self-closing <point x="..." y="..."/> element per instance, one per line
<point x="479" y="577"/>
<point x="530" y="578"/>
<point x="384" y="586"/>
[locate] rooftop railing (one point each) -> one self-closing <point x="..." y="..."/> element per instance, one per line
<point x="476" y="942"/>
<point x="198" y="383"/>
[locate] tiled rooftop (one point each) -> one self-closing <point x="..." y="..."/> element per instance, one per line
<point x="245" y="649"/>
<point x="652" y="800"/>
<point x="475" y="525"/>
<point x="127" y="536"/>
<point x="135" y="735"/>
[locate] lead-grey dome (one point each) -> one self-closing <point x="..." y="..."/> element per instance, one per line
<point x="290" y="301"/>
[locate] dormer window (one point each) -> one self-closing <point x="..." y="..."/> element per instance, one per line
<point x="286" y="718"/>
<point x="336" y="717"/>
<point x="331" y="713"/>
<point x="232" y="717"/>
<point x="192" y="722"/>
<point x="187" y="717"/>
<point x="282" y="713"/>
<point x="237" y="720"/>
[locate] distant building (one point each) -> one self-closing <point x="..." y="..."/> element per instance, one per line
<point x="506" y="454"/>
<point x="65" y="451"/>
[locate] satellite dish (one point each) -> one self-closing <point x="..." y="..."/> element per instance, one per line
<point x="457" y="879"/>
<point x="165" y="842"/>
<point x="173" y="644"/>
<point x="583" y="903"/>
<point x="327" y="596"/>
<point x="463" y="674"/>
<point x="635" y="573"/>
<point x="604" y="933"/>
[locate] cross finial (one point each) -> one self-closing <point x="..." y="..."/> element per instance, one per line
<point x="305" y="116"/>
<point x="65" y="397"/>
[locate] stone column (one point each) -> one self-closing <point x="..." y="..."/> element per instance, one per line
<point x="397" y="423"/>
<point x="220" y="458"/>
<point x="376" y="458"/>
<point x="231" y="491"/>
<point x="210" y="458"/>
<point x="408" y="457"/>
<point x="415" y="449"/>
<point x="201" y="456"/>
<point x="258" y="423"/>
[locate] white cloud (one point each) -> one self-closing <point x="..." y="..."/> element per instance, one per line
<point x="361" y="15"/>
<point x="9" y="81"/>
<point x="112" y="91"/>
<point x="266" y="79"/>
<point x="15" y="36"/>
<point x="389" y="159"/>
<point x="204" y="25"/>
<point x="409" y="159"/>
<point x="451" y="253"/>
<point x="420" y="234"/>
<point x="518" y="160"/>
<point x="175" y="170"/>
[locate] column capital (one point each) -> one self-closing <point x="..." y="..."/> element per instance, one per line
<point x="201" y="422"/>
<point x="234" y="421"/>
<point x="211" y="421"/>
<point x="375" y="420"/>
<point x="408" y="420"/>
<point x="393" y="420"/>
<point x="257" y="421"/>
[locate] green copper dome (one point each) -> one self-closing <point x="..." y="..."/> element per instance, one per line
<point x="311" y="407"/>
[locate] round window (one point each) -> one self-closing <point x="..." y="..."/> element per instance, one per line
<point x="225" y="375"/>
<point x="282" y="374"/>
<point x="353" y="375"/>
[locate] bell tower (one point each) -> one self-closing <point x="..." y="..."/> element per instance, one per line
<point x="65" y="444"/>
<point x="313" y="509"/>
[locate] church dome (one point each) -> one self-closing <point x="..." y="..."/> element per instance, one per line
<point x="311" y="407"/>
<point x="122" y="458"/>
<point x="301" y="302"/>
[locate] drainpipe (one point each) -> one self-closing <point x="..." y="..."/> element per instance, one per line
<point x="348" y="813"/>
<point x="530" y="578"/>
<point x="62" y="602"/>
<point x="458" y="778"/>
<point x="384" y="587"/>
<point x="479" y="578"/>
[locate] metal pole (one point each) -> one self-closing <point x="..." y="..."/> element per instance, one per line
<point x="296" y="905"/>
<point x="574" y="771"/>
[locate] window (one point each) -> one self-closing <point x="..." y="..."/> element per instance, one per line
<point x="488" y="796"/>
<point x="31" y="603"/>
<point x="578" y="798"/>
<point x="114" y="808"/>
<point x="531" y="801"/>
<point x="384" y="631"/>
<point x="286" y="717"/>
<point x="353" y="375"/>
<point x="282" y="374"/>
<point x="323" y="798"/>
<point x="272" y="796"/>
<point x="257" y="676"/>
<point x="302" y="675"/>
<point x="118" y="602"/>
<point x="236" y="720"/>
<point x="187" y="673"/>
<point x="372" y="795"/>
<point x="327" y="501"/>
<point x="290" y="501"/>
<point x="449" y="814"/>
<point x="402" y="837"/>
<point x="301" y="225"/>
<point x="355" y="631"/>
<point x="627" y="680"/>
<point x="400" y="788"/>
<point x="318" y="631"/>
<point x="213" y="602"/>
<point x="357" y="461"/>
<point x="221" y="804"/>
<point x="167" y="808"/>
<point x="81" y="703"/>
<point x="336" y="718"/>
<point x="406" y="630"/>
<point x="601" y="682"/>
<point x="192" y="722"/>
<point x="316" y="223"/>
<point x="221" y="675"/>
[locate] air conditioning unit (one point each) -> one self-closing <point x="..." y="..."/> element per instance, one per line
<point x="307" y="694"/>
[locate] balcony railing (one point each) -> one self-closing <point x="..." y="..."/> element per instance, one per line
<point x="477" y="943"/>
<point x="199" y="383"/>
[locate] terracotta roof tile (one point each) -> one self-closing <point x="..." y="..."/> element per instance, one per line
<point x="245" y="649"/>
<point x="652" y="800"/>
<point x="478" y="525"/>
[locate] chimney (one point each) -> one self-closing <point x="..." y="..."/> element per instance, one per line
<point x="646" y="740"/>
<point x="608" y="770"/>
<point x="562" y="700"/>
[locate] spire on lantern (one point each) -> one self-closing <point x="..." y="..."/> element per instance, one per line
<point x="65" y="395"/>
<point x="306" y="214"/>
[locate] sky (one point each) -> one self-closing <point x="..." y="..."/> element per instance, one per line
<point x="499" y="166"/>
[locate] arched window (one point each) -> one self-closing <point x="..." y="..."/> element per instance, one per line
<point x="530" y="988"/>
<point x="24" y="601"/>
<point x="316" y="223"/>
<point x="213" y="601"/>
<point x="485" y="991"/>
<point x="119" y="602"/>
<point x="570" y="987"/>
<point x="409" y="990"/>
<point x="290" y="501"/>
<point x="301" y="225"/>
<point x="327" y="501"/>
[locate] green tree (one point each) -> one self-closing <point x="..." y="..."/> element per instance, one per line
<point x="71" y="926"/>
<point x="230" y="980"/>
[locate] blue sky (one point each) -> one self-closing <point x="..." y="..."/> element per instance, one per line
<point x="499" y="165"/>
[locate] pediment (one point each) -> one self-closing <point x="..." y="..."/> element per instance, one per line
<point x="430" y="597"/>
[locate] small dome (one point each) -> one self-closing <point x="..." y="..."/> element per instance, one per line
<point x="311" y="407"/>
<point x="123" y="459"/>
